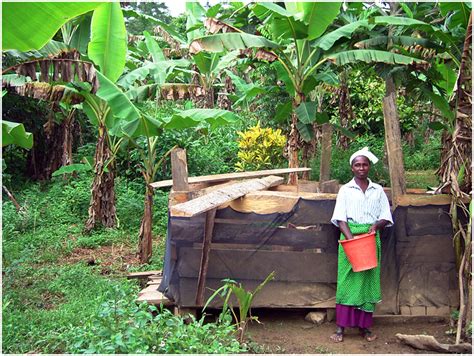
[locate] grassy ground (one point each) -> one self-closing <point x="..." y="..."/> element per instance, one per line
<point x="421" y="179"/>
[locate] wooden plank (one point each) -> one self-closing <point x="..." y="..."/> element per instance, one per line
<point x="229" y="176"/>
<point x="206" y="248"/>
<point x="233" y="246"/>
<point x="267" y="202"/>
<point x="426" y="199"/>
<point x="154" y="298"/>
<point x="330" y="186"/>
<point x="258" y="264"/>
<point x="144" y="274"/>
<point x="326" y="145"/>
<point x="179" y="170"/>
<point x="148" y="289"/>
<point x="393" y="142"/>
<point x="221" y="196"/>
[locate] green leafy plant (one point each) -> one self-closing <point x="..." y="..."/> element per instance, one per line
<point x="260" y="148"/>
<point x="244" y="300"/>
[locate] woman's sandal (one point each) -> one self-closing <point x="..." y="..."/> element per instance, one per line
<point x="367" y="335"/>
<point x="338" y="336"/>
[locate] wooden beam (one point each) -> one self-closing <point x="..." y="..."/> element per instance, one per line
<point x="221" y="196"/>
<point x="179" y="170"/>
<point x="206" y="248"/>
<point x="394" y="142"/>
<point x="229" y="176"/>
<point x="145" y="274"/>
<point x="326" y="145"/>
<point x="423" y="200"/>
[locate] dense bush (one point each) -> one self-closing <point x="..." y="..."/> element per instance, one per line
<point x="260" y="148"/>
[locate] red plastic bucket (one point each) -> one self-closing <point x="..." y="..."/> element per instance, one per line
<point x="361" y="252"/>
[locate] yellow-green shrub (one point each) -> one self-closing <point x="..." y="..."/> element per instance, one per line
<point x="260" y="148"/>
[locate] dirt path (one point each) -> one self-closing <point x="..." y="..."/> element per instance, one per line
<point x="286" y="331"/>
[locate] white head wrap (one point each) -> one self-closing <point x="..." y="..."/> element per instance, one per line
<point x="366" y="153"/>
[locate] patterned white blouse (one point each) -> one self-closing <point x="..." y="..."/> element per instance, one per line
<point x="353" y="205"/>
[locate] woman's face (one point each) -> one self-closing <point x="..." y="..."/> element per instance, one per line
<point x="360" y="167"/>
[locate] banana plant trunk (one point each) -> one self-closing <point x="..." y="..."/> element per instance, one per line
<point x="52" y="148"/>
<point x="102" y="203"/>
<point x="68" y="125"/>
<point x="294" y="140"/>
<point x="145" y="235"/>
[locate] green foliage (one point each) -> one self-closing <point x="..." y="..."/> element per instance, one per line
<point x="122" y="326"/>
<point x="340" y="167"/>
<point x="244" y="300"/>
<point x="260" y="148"/>
<point x="108" y="45"/>
<point x="29" y="26"/>
<point x="14" y="133"/>
<point x="423" y="155"/>
<point x="137" y="24"/>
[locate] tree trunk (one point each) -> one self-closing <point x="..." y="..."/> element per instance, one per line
<point x="394" y="142"/>
<point x="145" y="235"/>
<point x="326" y="146"/>
<point x="102" y="204"/>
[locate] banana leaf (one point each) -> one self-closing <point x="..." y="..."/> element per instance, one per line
<point x="327" y="41"/>
<point x="194" y="117"/>
<point x="30" y="25"/>
<point x="404" y="41"/>
<point x="460" y="13"/>
<point x="318" y="16"/>
<point x="50" y="49"/>
<point x="306" y="112"/>
<point x="305" y="130"/>
<point x="108" y="45"/>
<point x="153" y="48"/>
<point x="229" y="41"/>
<point x="14" y="133"/>
<point x="372" y="56"/>
<point x="194" y="14"/>
<point x="82" y="36"/>
<point x="119" y="103"/>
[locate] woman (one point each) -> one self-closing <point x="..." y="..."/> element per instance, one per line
<point x="361" y="207"/>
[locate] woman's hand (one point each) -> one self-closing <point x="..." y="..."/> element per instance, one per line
<point x="344" y="227"/>
<point x="373" y="229"/>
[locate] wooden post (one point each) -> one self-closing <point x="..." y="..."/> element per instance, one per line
<point x="206" y="248"/>
<point x="394" y="143"/>
<point x="326" y="145"/>
<point x="179" y="173"/>
<point x="179" y="170"/>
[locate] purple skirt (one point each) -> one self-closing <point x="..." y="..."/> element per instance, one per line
<point x="351" y="317"/>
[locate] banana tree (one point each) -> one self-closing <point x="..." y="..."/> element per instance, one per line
<point x="106" y="48"/>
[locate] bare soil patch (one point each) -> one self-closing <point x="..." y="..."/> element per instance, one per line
<point x="109" y="258"/>
<point x="286" y="331"/>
